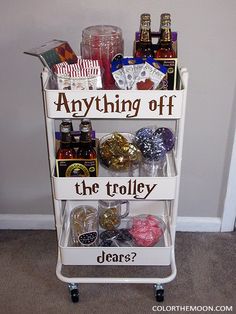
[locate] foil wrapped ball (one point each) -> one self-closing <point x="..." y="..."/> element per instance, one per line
<point x="150" y="144"/>
<point x="168" y="138"/>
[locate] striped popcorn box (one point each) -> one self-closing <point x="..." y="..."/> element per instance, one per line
<point x="93" y="78"/>
<point x="79" y="80"/>
<point x="63" y="78"/>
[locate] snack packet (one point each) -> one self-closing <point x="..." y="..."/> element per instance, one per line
<point x="78" y="80"/>
<point x="132" y="68"/>
<point x="118" y="74"/>
<point x="150" y="75"/>
<point x="62" y="77"/>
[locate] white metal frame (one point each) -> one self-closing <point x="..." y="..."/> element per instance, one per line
<point x="59" y="209"/>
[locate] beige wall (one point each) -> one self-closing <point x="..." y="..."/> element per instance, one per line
<point x="206" y="47"/>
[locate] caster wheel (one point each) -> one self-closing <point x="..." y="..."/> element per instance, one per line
<point x="159" y="295"/>
<point x="74" y="292"/>
<point x="74" y="295"/>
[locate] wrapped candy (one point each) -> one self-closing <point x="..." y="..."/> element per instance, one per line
<point x="117" y="152"/>
<point x="147" y="230"/>
<point x="116" y="237"/>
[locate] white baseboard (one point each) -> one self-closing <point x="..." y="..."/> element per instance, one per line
<point x="34" y="222"/>
<point x="27" y="222"/>
<point x="198" y="224"/>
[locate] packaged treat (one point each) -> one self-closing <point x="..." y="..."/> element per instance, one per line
<point x="85" y="74"/>
<point x="116" y="238"/>
<point x="94" y="70"/>
<point x="132" y="68"/>
<point x="118" y="74"/>
<point x="94" y="78"/>
<point x="150" y="76"/>
<point x="78" y="81"/>
<point x="53" y="52"/>
<point x="62" y="77"/>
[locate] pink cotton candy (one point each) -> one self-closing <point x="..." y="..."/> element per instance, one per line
<point x="146" y="230"/>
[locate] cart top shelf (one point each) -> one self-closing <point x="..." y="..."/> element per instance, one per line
<point x="113" y="104"/>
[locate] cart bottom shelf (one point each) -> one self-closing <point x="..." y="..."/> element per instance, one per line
<point x="139" y="274"/>
<point x="160" y="254"/>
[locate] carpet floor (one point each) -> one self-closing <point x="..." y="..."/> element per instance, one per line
<point x="206" y="276"/>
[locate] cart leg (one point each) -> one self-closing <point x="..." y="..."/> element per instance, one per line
<point x="159" y="292"/>
<point x="74" y="292"/>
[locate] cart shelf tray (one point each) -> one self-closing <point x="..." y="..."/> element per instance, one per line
<point x="116" y="104"/>
<point x="157" y="255"/>
<point x="108" y="185"/>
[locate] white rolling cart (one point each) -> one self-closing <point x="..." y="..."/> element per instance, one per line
<point x="153" y="195"/>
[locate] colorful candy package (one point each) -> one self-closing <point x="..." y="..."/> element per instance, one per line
<point x="150" y="75"/>
<point x="118" y="74"/>
<point x="132" y="68"/>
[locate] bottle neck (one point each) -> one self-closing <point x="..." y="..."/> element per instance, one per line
<point x="145" y="36"/>
<point x="85" y="138"/>
<point x="165" y="34"/>
<point x="65" y="140"/>
<point x="145" y="31"/>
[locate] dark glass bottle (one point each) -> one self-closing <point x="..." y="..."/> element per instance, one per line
<point x="86" y="149"/>
<point x="144" y="45"/>
<point x="69" y="122"/>
<point x="164" y="46"/>
<point x="86" y="122"/>
<point x="65" y="151"/>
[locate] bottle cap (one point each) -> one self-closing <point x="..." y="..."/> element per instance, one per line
<point x="85" y="128"/>
<point x="165" y="20"/>
<point x="145" y="17"/>
<point x="65" y="128"/>
<point x="85" y="125"/>
<point x="165" y="16"/>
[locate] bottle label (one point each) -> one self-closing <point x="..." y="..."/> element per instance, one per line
<point x="76" y="168"/>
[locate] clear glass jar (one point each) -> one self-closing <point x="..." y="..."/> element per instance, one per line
<point x="84" y="226"/>
<point x="103" y="43"/>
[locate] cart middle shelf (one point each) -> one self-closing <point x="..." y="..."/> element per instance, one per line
<point x="109" y="185"/>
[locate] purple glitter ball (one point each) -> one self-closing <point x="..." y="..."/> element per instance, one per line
<point x="150" y="144"/>
<point x="168" y="138"/>
<point x="159" y="150"/>
<point x="143" y="134"/>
